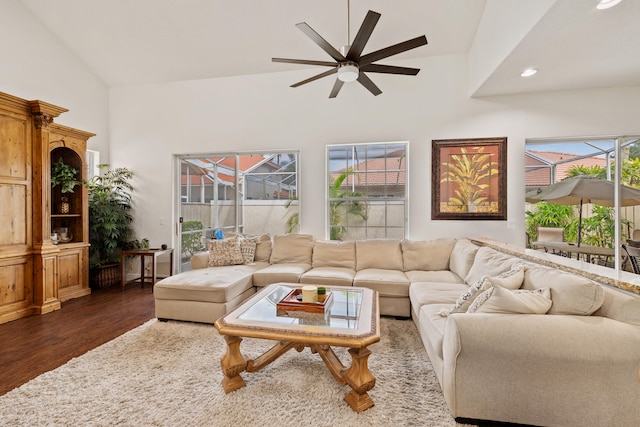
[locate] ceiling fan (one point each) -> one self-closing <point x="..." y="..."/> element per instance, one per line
<point x="350" y="64"/>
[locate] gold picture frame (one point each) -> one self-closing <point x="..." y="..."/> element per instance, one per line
<point x="469" y="179"/>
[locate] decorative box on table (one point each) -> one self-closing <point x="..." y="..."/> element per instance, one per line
<point x="291" y="306"/>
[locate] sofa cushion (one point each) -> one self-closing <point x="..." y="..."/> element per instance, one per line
<point x="490" y="262"/>
<point x="334" y="254"/>
<point x="292" y="248"/>
<point x="497" y="299"/>
<point x="218" y="285"/>
<point x="444" y="276"/>
<point x="511" y="279"/>
<point x="379" y="254"/>
<point x="570" y="293"/>
<point x="286" y="272"/>
<point x="620" y="306"/>
<point x="433" y="324"/>
<point x="422" y="293"/>
<point x="462" y="255"/>
<point x="427" y="255"/>
<point x="329" y="276"/>
<point x="224" y="252"/>
<point x="199" y="260"/>
<point x="263" y="248"/>
<point x="387" y="282"/>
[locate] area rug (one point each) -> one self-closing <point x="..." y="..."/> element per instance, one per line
<point x="168" y="374"/>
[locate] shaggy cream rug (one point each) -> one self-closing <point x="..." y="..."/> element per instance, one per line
<point x="168" y="374"/>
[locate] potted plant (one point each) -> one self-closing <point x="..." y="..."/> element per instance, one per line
<point x="110" y="223"/>
<point x="64" y="175"/>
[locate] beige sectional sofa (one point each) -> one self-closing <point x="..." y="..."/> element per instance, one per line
<point x="574" y="364"/>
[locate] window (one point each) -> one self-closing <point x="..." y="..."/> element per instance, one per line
<point x="367" y="191"/>
<point x="242" y="192"/>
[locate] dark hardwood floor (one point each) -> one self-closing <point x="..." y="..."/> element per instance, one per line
<point x="36" y="344"/>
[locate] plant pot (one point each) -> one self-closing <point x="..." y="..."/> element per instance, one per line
<point x="64" y="207"/>
<point x="105" y="276"/>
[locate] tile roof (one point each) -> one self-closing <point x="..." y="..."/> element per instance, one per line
<point x="542" y="176"/>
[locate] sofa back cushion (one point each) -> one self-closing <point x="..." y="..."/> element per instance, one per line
<point x="570" y="293"/>
<point x="379" y="253"/>
<point x="432" y="255"/>
<point x="462" y="255"/>
<point x="620" y="306"/>
<point x="334" y="254"/>
<point x="490" y="262"/>
<point x="292" y="248"/>
<point x="199" y="260"/>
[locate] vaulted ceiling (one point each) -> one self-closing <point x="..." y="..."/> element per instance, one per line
<point x="129" y="42"/>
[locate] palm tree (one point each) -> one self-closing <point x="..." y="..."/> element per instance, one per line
<point x="343" y="205"/>
<point x="470" y="171"/>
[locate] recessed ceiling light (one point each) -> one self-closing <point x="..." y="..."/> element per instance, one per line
<point x="606" y="4"/>
<point x="528" y="72"/>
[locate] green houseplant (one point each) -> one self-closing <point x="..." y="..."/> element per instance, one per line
<point x="110" y="223"/>
<point x="64" y="176"/>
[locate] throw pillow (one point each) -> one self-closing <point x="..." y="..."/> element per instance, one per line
<point x="500" y="300"/>
<point x="248" y="248"/>
<point x="467" y="297"/>
<point x="490" y="262"/>
<point x="224" y="252"/>
<point x="511" y="279"/>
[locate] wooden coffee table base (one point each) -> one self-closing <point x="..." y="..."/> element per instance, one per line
<point x="357" y="376"/>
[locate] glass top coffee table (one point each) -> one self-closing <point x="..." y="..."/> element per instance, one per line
<point x="352" y="321"/>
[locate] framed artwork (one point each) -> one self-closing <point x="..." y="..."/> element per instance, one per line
<point x="469" y="179"/>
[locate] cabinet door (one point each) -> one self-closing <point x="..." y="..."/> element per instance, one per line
<point x="69" y="269"/>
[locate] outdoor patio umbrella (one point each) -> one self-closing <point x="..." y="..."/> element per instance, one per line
<point x="583" y="189"/>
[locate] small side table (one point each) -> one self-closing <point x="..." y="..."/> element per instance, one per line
<point x="142" y="253"/>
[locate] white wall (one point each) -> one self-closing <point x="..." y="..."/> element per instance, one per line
<point x="151" y="123"/>
<point x="36" y="65"/>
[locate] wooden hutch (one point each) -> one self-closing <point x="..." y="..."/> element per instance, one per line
<point x="36" y="275"/>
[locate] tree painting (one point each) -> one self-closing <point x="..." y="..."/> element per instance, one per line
<point x="469" y="179"/>
<point x="469" y="174"/>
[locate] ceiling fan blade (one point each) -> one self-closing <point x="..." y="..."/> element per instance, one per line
<point x="363" y="35"/>
<point x="390" y="69"/>
<point x="392" y="50"/>
<point x="371" y="86"/>
<point x="336" y="88"/>
<point x="317" y="38"/>
<point x="304" y="61"/>
<point x="319" y="76"/>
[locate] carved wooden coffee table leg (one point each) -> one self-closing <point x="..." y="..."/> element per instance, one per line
<point x="359" y="379"/>
<point x="233" y="363"/>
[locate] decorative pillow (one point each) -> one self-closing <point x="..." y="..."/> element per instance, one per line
<point x="224" y="252"/>
<point x="292" y="248"/>
<point x="511" y="279"/>
<point x="248" y="248"/>
<point x="467" y="297"/>
<point x="500" y="300"/>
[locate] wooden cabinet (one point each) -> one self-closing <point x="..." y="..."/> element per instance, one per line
<point x="36" y="274"/>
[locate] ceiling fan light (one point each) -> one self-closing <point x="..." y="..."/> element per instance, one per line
<point x="348" y="73"/>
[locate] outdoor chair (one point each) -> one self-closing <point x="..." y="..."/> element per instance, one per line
<point x="551" y="234"/>
<point x="633" y="255"/>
